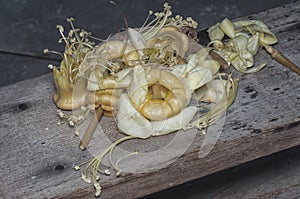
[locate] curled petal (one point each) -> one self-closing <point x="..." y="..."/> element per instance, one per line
<point x="243" y="61"/>
<point x="242" y="34"/>
<point x="253" y="44"/>
<point x="215" y="32"/>
<point x="177" y="40"/>
<point x="112" y="49"/>
<point x="223" y="94"/>
<point x="239" y="64"/>
<point x="211" y="92"/>
<point x="228" y="28"/>
<point x="212" y="65"/>
<point x="174" y="123"/>
<point x="95" y="80"/>
<point x="193" y="61"/>
<point x="196" y="59"/>
<point x="198" y="77"/>
<point x="202" y="54"/>
<point x="136" y="39"/>
<point x="130" y="121"/>
<point x="138" y="88"/>
<point x="255" y="68"/>
<point x="266" y="37"/>
<point x="217" y="44"/>
<point x="123" y="78"/>
<point x="240" y="43"/>
<point x="182" y="69"/>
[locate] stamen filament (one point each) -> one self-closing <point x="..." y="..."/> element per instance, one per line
<point x="94" y="164"/>
<point x="117" y="168"/>
<point x="73" y="28"/>
<point x="55" y="52"/>
<point x="144" y="24"/>
<point x="60" y="28"/>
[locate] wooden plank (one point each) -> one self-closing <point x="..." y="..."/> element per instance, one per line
<point x="278" y="179"/>
<point x="37" y="155"/>
<point x="274" y="176"/>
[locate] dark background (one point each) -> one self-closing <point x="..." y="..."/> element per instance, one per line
<point x="28" y="27"/>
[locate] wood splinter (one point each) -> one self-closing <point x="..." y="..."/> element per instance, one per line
<point x="91" y="128"/>
<point x="280" y="58"/>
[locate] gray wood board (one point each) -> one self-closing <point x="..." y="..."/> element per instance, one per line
<point x="277" y="180"/>
<point x="37" y="155"/>
<point x="272" y="176"/>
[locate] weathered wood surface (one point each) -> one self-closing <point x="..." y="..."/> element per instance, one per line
<point x="278" y="180"/>
<point x="37" y="155"/>
<point x="273" y="176"/>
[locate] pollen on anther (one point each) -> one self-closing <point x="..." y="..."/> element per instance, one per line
<point x="71" y="123"/>
<point x="107" y="172"/>
<point x="76" y="132"/>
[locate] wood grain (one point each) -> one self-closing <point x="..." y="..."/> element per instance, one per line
<point x="37" y="155"/>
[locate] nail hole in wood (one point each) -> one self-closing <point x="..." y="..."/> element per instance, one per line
<point x="256" y="131"/>
<point x="59" y="168"/>
<point x="274" y="119"/>
<point x="23" y="106"/>
<point x="254" y="95"/>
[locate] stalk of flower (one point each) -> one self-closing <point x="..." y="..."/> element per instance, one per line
<point x="91" y="128"/>
<point x="280" y="58"/>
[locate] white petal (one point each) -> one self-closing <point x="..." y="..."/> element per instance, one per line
<point x="228" y="28"/>
<point x="136" y="39"/>
<point x="95" y="80"/>
<point x="138" y="88"/>
<point x="198" y="77"/>
<point x="131" y="122"/>
<point x="253" y="44"/>
<point x="177" y="122"/>
<point x="212" y="65"/>
<point x="215" y="32"/>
